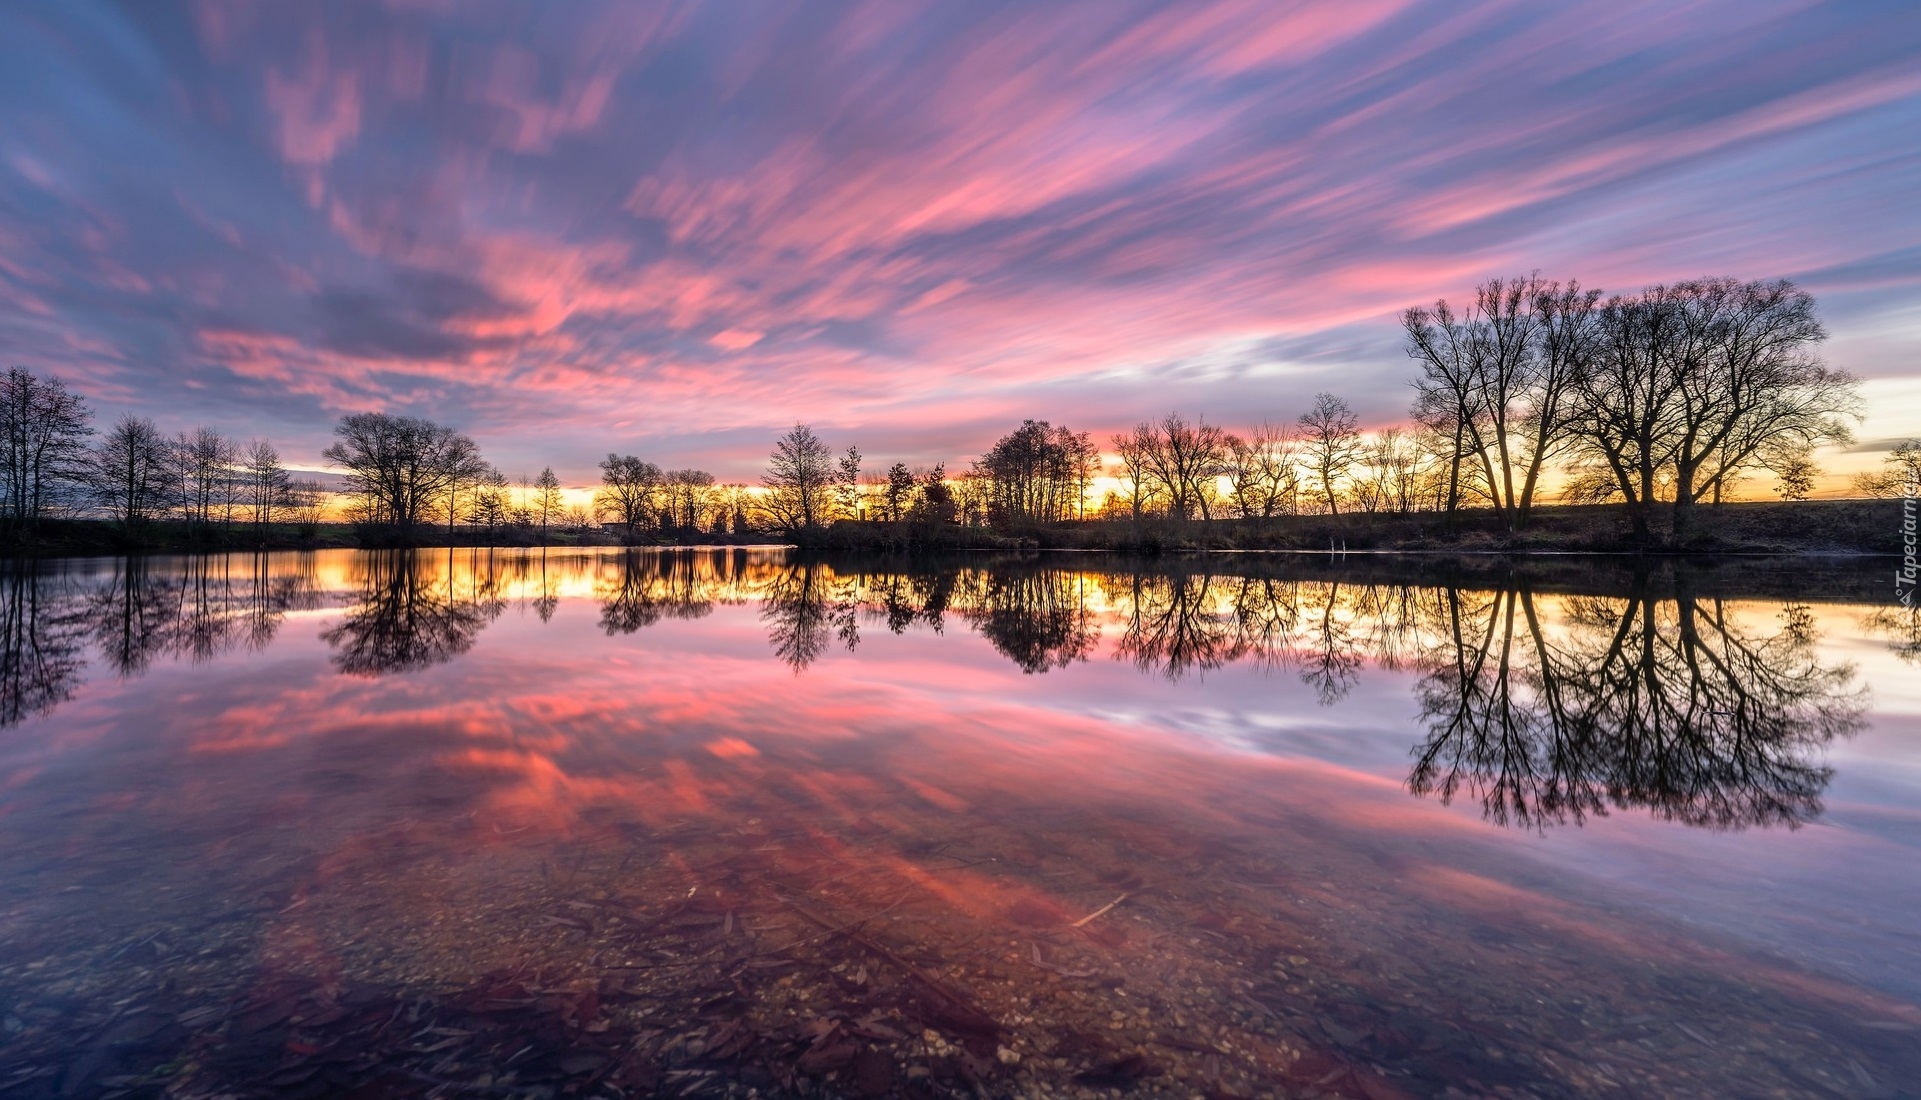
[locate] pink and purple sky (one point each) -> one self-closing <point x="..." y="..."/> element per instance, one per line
<point x="675" y="229"/>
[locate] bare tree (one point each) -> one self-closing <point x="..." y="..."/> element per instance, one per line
<point x="629" y="491"/>
<point x="547" y="499"/>
<point x="128" y="471"/>
<point x="491" y="503"/>
<point x="800" y="473"/>
<point x="1132" y="449"/>
<point x="202" y="475"/>
<point x="1393" y="465"/>
<point x="1900" y="473"/>
<point x="1263" y="481"/>
<point x="401" y="467"/>
<point x="688" y="494"/>
<point x="264" y="483"/>
<point x="305" y="502"/>
<point x="1495" y="380"/>
<point x="1033" y="474"/>
<point x="1762" y="399"/>
<point x="43" y="429"/>
<point x="1693" y="383"/>
<point x="1330" y="445"/>
<point x="1184" y="459"/>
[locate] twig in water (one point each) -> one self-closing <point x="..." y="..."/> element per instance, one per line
<point x="1098" y="912"/>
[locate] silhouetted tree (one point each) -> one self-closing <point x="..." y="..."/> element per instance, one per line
<point x="401" y="467"/>
<point x="305" y="503"/>
<point x="1695" y="382"/>
<point x="127" y="477"/>
<point x="1330" y="445"/>
<point x="1133" y="448"/>
<point x="897" y="492"/>
<point x="43" y="440"/>
<point x="689" y="493"/>
<point x="264" y="485"/>
<point x="799" y="479"/>
<point x="1031" y="475"/>
<point x="201" y="479"/>
<point x="1495" y="380"/>
<point x="547" y="499"/>
<point x="1899" y="475"/>
<point x="629" y="491"/>
<point x="1262" y="476"/>
<point x="1183" y="460"/>
<point x="847" y="484"/>
<point x="936" y="502"/>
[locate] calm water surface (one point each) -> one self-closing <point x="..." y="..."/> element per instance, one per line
<point x="471" y="823"/>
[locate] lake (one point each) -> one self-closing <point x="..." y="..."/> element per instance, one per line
<point x="732" y="822"/>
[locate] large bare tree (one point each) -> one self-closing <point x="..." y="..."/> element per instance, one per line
<point x="43" y="444"/>
<point x="1184" y="460"/>
<point x="402" y="467"/>
<point x="1495" y="378"/>
<point x="630" y="491"/>
<point x="1262" y="474"/>
<point x="1330" y="446"/>
<point x="1691" y="384"/>
<point x="799" y="479"/>
<point x="127" y="472"/>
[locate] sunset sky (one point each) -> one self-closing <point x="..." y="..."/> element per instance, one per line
<point x="674" y="230"/>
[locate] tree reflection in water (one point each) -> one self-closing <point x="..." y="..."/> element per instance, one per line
<point x="411" y="613"/>
<point x="1666" y="705"/>
<point x="640" y="588"/>
<point x="133" y="612"/>
<point x="1674" y="704"/>
<point x="1545" y="708"/>
<point x="1038" y="620"/>
<point x="42" y="643"/>
<point x="805" y="607"/>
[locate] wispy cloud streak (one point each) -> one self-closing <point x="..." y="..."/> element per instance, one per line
<point x="675" y="228"/>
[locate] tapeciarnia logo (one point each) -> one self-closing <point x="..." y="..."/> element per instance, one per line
<point x="1904" y="578"/>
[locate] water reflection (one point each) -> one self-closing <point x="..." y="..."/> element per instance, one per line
<point x="1547" y="708"/>
<point x="638" y="589"/>
<point x="135" y="611"/>
<point x="42" y="642"/>
<point x="697" y="822"/>
<point x="410" y="612"/>
<point x="1633" y="702"/>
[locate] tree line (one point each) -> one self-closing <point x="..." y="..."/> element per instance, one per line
<point x="1660" y="398"/>
<point x="135" y="473"/>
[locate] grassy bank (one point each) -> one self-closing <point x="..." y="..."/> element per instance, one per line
<point x="1761" y="527"/>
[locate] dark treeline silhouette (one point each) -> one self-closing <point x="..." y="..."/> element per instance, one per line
<point x="1649" y="401"/>
<point x="1670" y="395"/>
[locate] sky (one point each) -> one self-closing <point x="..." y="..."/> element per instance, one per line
<point x="675" y="230"/>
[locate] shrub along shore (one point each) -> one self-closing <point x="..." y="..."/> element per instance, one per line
<point x="1758" y="527"/>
